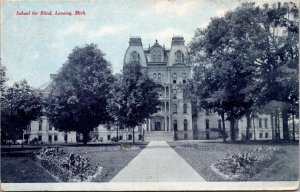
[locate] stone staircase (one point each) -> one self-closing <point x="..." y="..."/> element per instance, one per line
<point x="159" y="136"/>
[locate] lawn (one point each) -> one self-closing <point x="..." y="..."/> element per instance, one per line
<point x="201" y="155"/>
<point x="18" y="165"/>
<point x="21" y="169"/>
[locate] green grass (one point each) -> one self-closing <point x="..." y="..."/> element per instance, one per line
<point x="285" y="167"/>
<point x="23" y="170"/>
<point x="17" y="166"/>
<point x="111" y="161"/>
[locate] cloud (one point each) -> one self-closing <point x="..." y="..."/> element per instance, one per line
<point x="170" y="7"/>
<point x="109" y="30"/>
<point x="76" y="28"/>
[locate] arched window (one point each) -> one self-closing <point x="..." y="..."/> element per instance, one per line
<point x="159" y="77"/>
<point x="174" y="76"/>
<point x="185" y="108"/>
<point x="185" y="124"/>
<point x="179" y="56"/>
<point x="167" y="91"/>
<point x="175" y="125"/>
<point x="175" y="108"/>
<point x="135" y="56"/>
<point x="154" y="76"/>
<point x="184" y="77"/>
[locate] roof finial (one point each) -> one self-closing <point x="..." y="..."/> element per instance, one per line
<point x="156" y="41"/>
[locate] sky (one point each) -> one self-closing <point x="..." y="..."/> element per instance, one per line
<point x="35" y="46"/>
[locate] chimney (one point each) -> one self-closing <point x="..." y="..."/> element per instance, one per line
<point x="177" y="40"/>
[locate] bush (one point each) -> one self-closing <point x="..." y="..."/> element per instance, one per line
<point x="245" y="164"/>
<point x="67" y="167"/>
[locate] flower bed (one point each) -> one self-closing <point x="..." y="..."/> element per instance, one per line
<point x="68" y="167"/>
<point x="245" y="164"/>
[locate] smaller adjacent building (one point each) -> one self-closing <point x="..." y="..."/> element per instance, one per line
<point x="42" y="132"/>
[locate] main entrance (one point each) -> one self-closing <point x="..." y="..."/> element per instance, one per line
<point x="157" y="126"/>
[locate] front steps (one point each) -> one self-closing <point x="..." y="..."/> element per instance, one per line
<point x="159" y="136"/>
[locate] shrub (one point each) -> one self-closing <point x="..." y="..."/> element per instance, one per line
<point x="67" y="167"/>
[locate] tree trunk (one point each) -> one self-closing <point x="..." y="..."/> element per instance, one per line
<point x="285" y="126"/>
<point x="117" y="139"/>
<point x="133" y="138"/>
<point x="272" y="125"/>
<point x="223" y="125"/>
<point x="294" y="138"/>
<point x="254" y="133"/>
<point x="232" y="129"/>
<point x="248" y="126"/>
<point x="276" y="125"/>
<point x="85" y="137"/>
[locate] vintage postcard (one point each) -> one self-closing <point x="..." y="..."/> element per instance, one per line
<point x="149" y="95"/>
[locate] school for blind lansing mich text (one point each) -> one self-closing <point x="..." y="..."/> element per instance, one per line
<point x="175" y="120"/>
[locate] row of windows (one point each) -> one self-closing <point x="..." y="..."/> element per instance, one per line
<point x="158" y="77"/>
<point x="156" y="56"/>
<point x="185" y="124"/>
<point x="174" y="78"/>
<point x="121" y="137"/>
<point x="260" y="123"/>
<point x="260" y="135"/>
<point x="185" y="108"/>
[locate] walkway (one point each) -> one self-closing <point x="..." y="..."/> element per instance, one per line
<point x="158" y="162"/>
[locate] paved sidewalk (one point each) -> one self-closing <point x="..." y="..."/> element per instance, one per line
<point x="158" y="162"/>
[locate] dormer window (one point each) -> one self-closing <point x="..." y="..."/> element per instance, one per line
<point x="179" y="58"/>
<point x="135" y="56"/>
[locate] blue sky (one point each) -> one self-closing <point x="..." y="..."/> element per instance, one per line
<point x="35" y="46"/>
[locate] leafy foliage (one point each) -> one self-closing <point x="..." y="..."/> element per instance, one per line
<point x="246" y="59"/>
<point x="135" y="97"/>
<point x="20" y="105"/>
<point x="79" y="95"/>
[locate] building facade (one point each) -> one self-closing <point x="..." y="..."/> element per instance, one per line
<point x="41" y="131"/>
<point x="175" y="119"/>
<point x="167" y="67"/>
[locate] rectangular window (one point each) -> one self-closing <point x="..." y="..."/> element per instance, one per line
<point x="40" y="124"/>
<point x="40" y="138"/>
<point x="260" y="123"/>
<point x="185" y="136"/>
<point x="108" y="137"/>
<point x="207" y="112"/>
<point x="220" y="124"/>
<point x="55" y="137"/>
<point x="207" y="135"/>
<point x="266" y="123"/>
<point x="174" y="81"/>
<point x="50" y="128"/>
<point x="250" y="135"/>
<point x="183" y="81"/>
<point x="207" y="124"/>
<point x="266" y="135"/>
<point x="260" y="135"/>
<point x="50" y="138"/>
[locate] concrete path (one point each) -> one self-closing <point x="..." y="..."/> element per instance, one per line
<point x="158" y="162"/>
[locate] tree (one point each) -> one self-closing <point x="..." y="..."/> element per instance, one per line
<point x="135" y="97"/>
<point x="3" y="78"/>
<point x="222" y="50"/>
<point x="250" y="58"/>
<point x="78" y="97"/>
<point x="20" y="105"/>
<point x="278" y="63"/>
